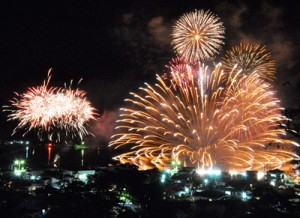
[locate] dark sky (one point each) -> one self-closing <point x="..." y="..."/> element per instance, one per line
<point x="115" y="46"/>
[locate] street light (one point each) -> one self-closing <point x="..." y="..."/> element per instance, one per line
<point x="81" y="147"/>
<point x="27" y="148"/>
<point x="19" y="167"/>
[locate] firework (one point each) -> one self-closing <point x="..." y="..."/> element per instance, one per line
<point x="198" y="36"/>
<point x="52" y="111"/>
<point x="251" y="58"/>
<point x="180" y="68"/>
<point x="219" y="119"/>
<point x="177" y="65"/>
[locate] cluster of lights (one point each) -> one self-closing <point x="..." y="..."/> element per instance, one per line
<point x="209" y="172"/>
<point x="21" y="142"/>
<point x="19" y="162"/>
<point x="163" y="178"/>
<point x="171" y="171"/>
<point x="175" y="164"/>
<point x="235" y="173"/>
<point x="19" y="167"/>
<point x="260" y="175"/>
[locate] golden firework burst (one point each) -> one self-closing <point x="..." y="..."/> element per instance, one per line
<point x="249" y="58"/>
<point x="198" y="36"/>
<point x="223" y="119"/>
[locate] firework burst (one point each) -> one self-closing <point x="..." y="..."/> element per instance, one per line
<point x="251" y="58"/>
<point x="181" y="69"/>
<point x="52" y="111"/>
<point x="217" y="119"/>
<point x="198" y="36"/>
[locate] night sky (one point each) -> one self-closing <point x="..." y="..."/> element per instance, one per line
<point x="116" y="46"/>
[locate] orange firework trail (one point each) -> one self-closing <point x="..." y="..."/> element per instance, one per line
<point x="197" y="36"/>
<point x="52" y="111"/>
<point x="223" y="119"/>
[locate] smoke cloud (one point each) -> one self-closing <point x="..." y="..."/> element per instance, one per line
<point x="103" y="128"/>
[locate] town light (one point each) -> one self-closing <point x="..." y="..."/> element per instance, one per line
<point x="209" y="172"/>
<point x="18" y="167"/>
<point x="260" y="175"/>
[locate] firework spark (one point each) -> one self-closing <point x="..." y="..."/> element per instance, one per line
<point x="218" y="119"/>
<point x="198" y="36"/>
<point x="52" y="111"/>
<point x="249" y="58"/>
